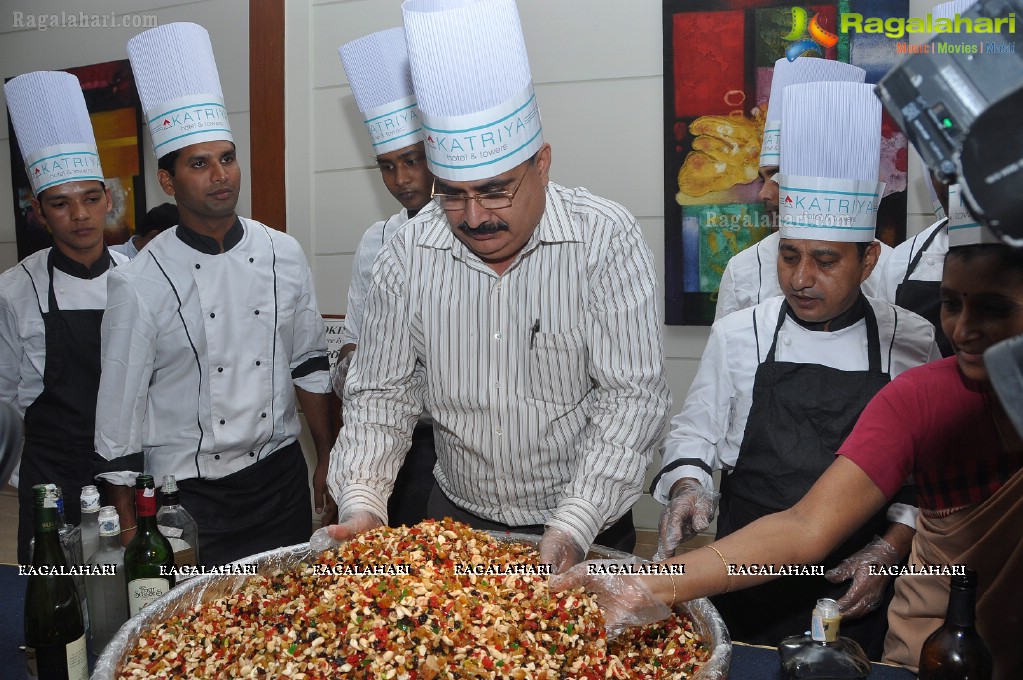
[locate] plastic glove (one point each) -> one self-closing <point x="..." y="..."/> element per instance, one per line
<point x="867" y="590"/>
<point x="336" y="534"/>
<point x="689" y="511"/>
<point x="323" y="501"/>
<point x="625" y="598"/>
<point x="339" y="373"/>
<point x="559" y="549"/>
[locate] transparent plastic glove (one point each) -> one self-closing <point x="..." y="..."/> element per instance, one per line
<point x="867" y="590"/>
<point x="625" y="599"/>
<point x="559" y="550"/>
<point x="688" y="512"/>
<point x="339" y="374"/>
<point x="335" y="534"/>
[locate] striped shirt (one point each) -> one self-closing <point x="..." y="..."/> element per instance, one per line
<point x="546" y="383"/>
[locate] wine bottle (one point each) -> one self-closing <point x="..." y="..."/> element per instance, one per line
<point x="54" y="628"/>
<point x="822" y="653"/>
<point x="90" y="521"/>
<point x="71" y="541"/>
<point x="108" y="604"/>
<point x="956" y="651"/>
<point x="148" y="558"/>
<point x="177" y="525"/>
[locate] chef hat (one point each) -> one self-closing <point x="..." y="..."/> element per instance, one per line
<point x="945" y="10"/>
<point x="802" y="70"/>
<point x="472" y="80"/>
<point x="53" y="129"/>
<point x="378" y="71"/>
<point x="830" y="158"/>
<point x="179" y="86"/>
<point x="963" y="228"/>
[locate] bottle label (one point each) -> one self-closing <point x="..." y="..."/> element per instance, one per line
<point x="823" y="629"/>
<point x="77" y="660"/>
<point x="143" y="591"/>
<point x="145" y="502"/>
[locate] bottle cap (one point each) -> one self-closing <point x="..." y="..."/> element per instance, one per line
<point x="170" y="485"/>
<point x="109" y="522"/>
<point x="142" y="481"/>
<point x="90" y="498"/>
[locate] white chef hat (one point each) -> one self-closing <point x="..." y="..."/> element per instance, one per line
<point x="378" y="71"/>
<point x="945" y="10"/>
<point x="963" y="228"/>
<point x="830" y="158"/>
<point x="471" y="76"/>
<point x="179" y="86"/>
<point x="53" y="128"/>
<point x="802" y="70"/>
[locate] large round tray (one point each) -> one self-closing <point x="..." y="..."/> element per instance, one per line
<point x="197" y="590"/>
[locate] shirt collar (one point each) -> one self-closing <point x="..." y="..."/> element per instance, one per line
<point x="855" y="313"/>
<point x="76" y="269"/>
<point x="208" y="244"/>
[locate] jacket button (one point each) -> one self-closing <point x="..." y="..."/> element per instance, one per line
<point x="217" y="457"/>
<point x="197" y="266"/>
<point x="220" y="370"/>
<point x="262" y="415"/>
<point x="222" y="421"/>
<point x="257" y="312"/>
<point x="251" y="260"/>
<point x="258" y="363"/>
<point x="212" y="315"/>
<point x="252" y="454"/>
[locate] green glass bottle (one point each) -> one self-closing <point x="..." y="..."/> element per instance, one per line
<point x="149" y="557"/>
<point x="54" y="627"/>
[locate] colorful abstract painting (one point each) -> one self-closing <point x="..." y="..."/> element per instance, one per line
<point x="114" y="109"/>
<point x="719" y="57"/>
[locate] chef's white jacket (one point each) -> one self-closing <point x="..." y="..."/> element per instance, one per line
<point x="751" y="276"/>
<point x="202" y="354"/>
<point x="713" y="418"/>
<point x="23" y="292"/>
<point x="370" y="245"/>
<point x="929" y="268"/>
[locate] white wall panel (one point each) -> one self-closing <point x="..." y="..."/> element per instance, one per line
<point x="331" y="275"/>
<point x="347" y="204"/>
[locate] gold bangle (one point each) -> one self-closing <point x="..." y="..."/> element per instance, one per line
<point x="674" y="593"/>
<point x="728" y="585"/>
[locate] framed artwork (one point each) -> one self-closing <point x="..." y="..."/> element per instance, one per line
<point x="719" y="58"/>
<point x="116" y="114"/>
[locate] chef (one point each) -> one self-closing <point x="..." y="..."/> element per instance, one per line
<point x="911" y="277"/>
<point x="781" y="383"/>
<point x="520" y="313"/>
<point x="750" y="276"/>
<point x="211" y="331"/>
<point x="51" y="303"/>
<point x="378" y="71"/>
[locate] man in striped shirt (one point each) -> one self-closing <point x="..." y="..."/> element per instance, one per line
<point x="531" y="308"/>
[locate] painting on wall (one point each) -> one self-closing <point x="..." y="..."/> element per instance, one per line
<point x="719" y="58"/>
<point x="116" y="115"/>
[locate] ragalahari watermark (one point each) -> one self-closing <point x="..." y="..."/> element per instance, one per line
<point x="43" y="22"/>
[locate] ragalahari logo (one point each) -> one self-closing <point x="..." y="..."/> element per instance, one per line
<point x="807" y="35"/>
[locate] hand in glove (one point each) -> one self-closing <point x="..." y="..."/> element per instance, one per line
<point x="867" y="590"/>
<point x="336" y="534"/>
<point x="560" y="550"/>
<point x="625" y="598"/>
<point x="689" y="511"/>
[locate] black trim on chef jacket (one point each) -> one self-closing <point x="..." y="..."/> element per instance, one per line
<point x="310" y="366"/>
<point x="208" y="244"/>
<point x="77" y="269"/>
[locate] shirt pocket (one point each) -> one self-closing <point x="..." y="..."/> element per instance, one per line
<point x="556" y="370"/>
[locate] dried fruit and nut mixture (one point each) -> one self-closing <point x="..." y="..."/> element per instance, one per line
<point x="322" y="620"/>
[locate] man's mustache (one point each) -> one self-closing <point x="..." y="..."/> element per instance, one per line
<point x="484" y="228"/>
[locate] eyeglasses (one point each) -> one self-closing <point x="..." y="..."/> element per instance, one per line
<point x="490" y="201"/>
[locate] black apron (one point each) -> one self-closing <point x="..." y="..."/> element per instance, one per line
<point x="60" y="424"/>
<point x="262" y="507"/>
<point x="923" y="297"/>
<point x="777" y="465"/>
